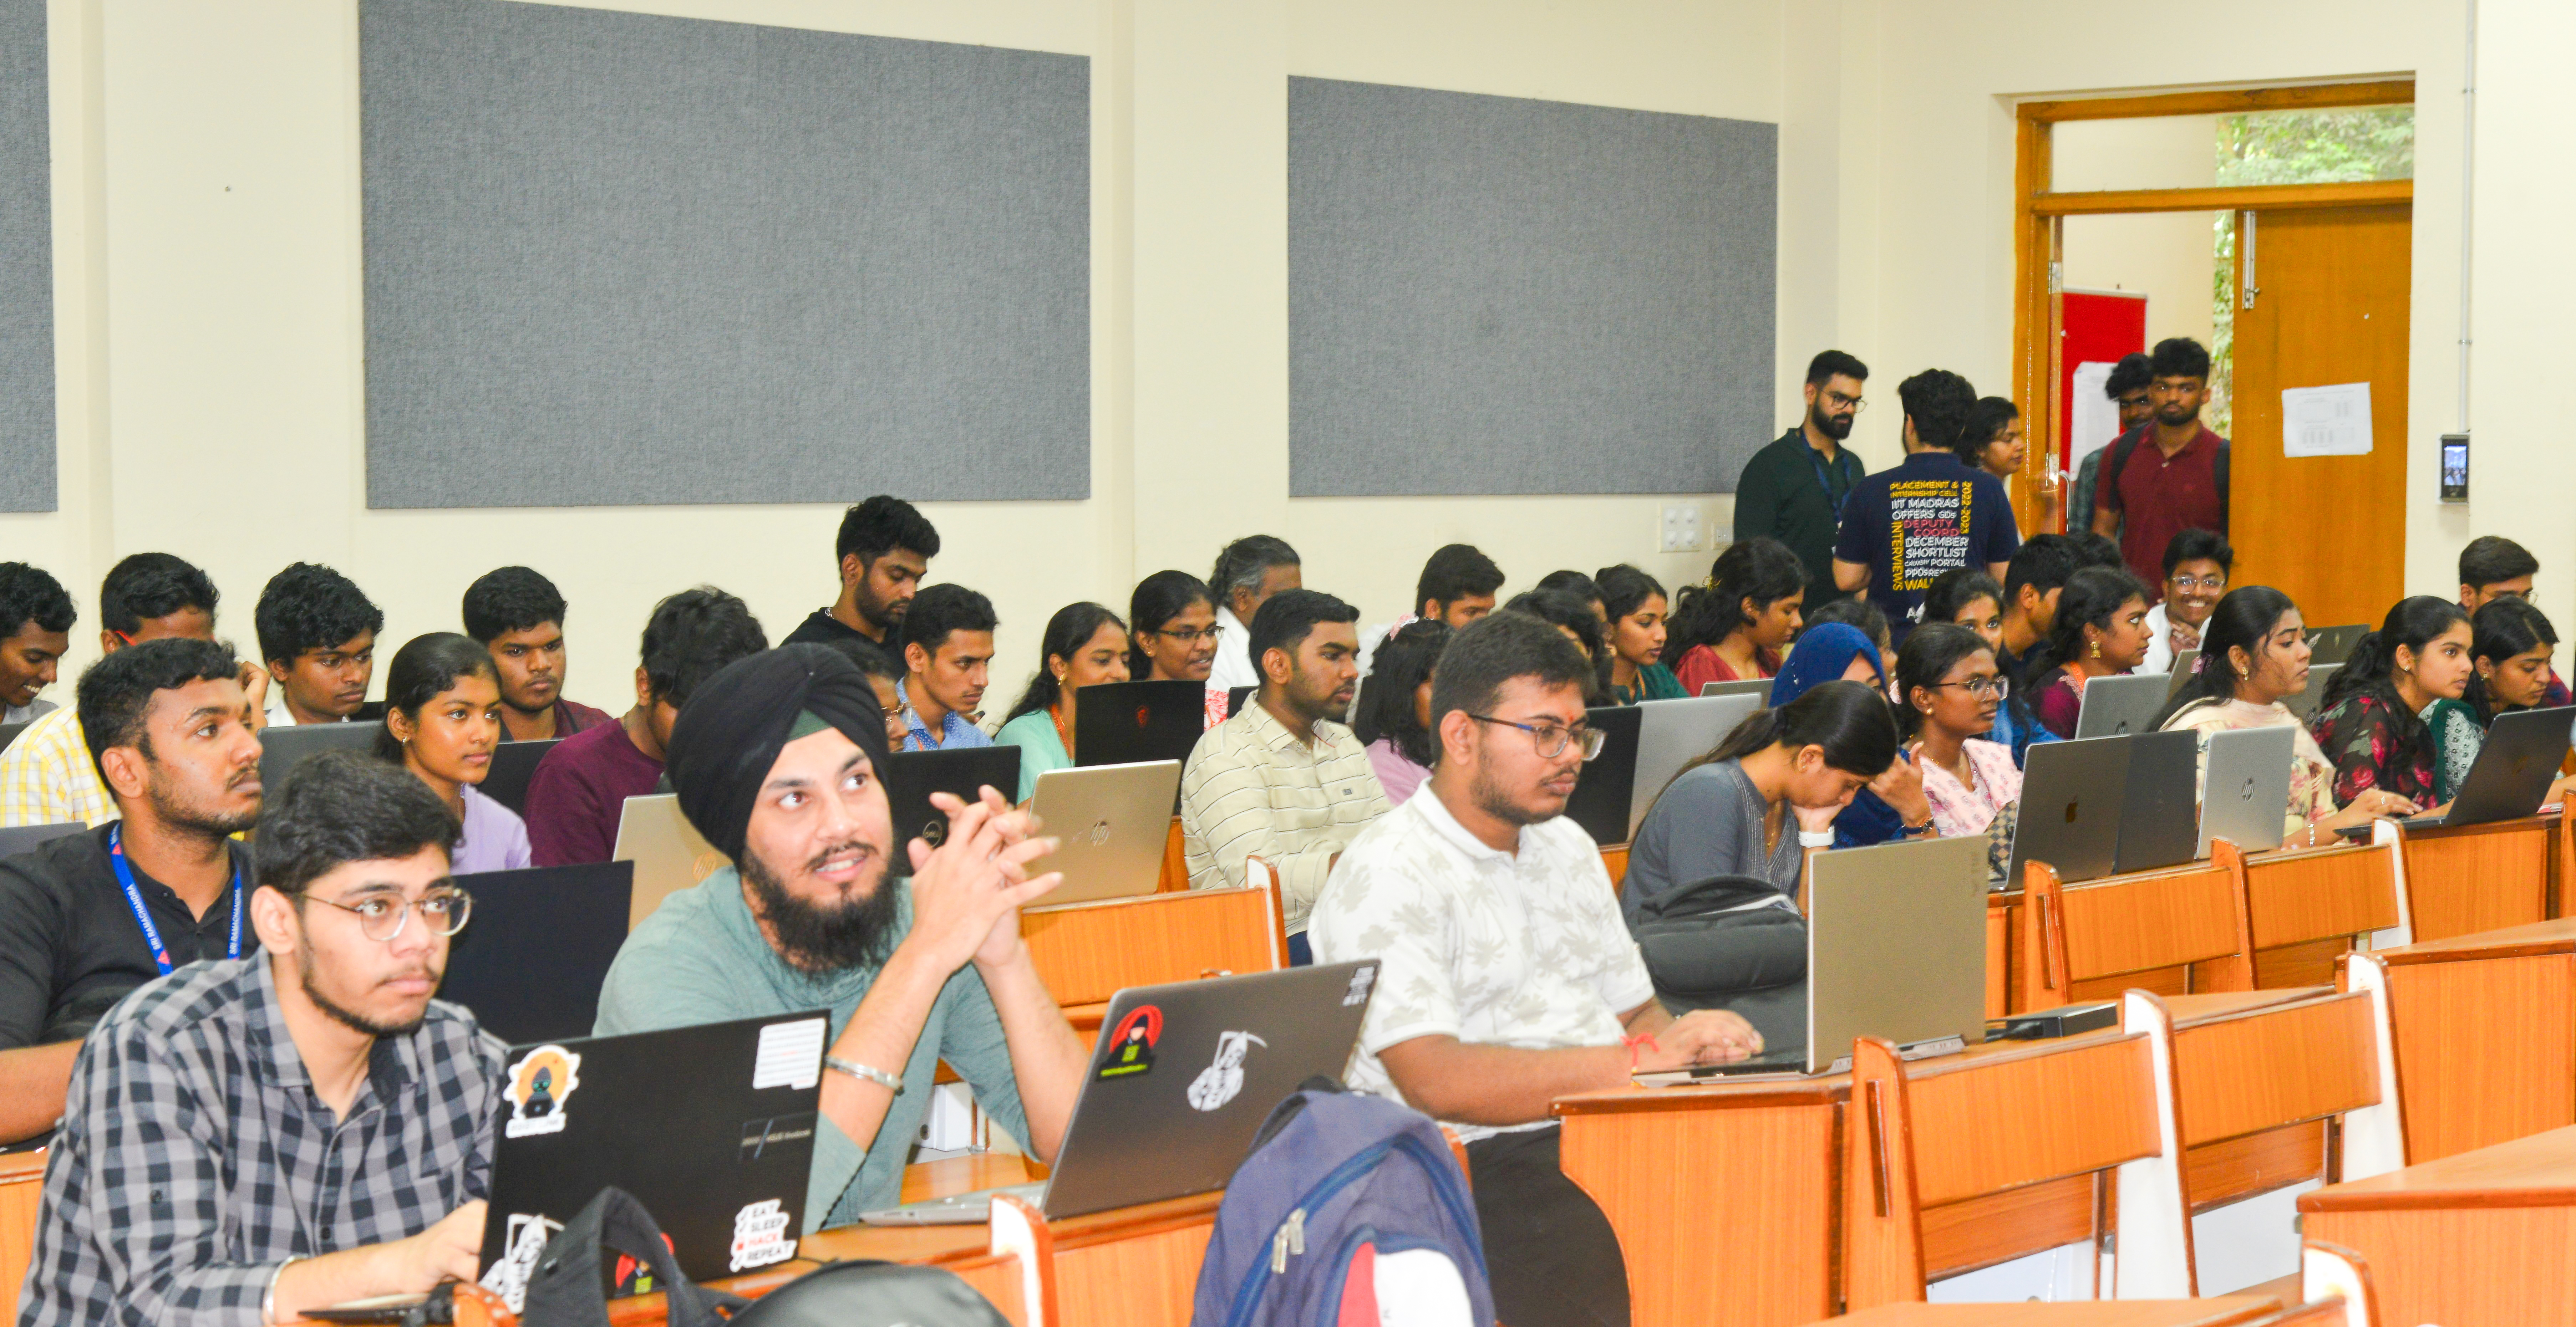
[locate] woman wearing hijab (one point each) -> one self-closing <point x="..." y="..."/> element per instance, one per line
<point x="1893" y="805"/>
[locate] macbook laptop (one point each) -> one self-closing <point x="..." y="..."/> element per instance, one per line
<point x="536" y="948"/>
<point x="1759" y="687"/>
<point x="2184" y="661"/>
<point x="15" y="839"/>
<point x="1673" y="733"/>
<point x="2115" y="706"/>
<point x="1112" y="822"/>
<point x="2306" y="704"/>
<point x="1179" y="1084"/>
<point x="2160" y="810"/>
<point x="1605" y="788"/>
<point x="2245" y="792"/>
<point x="2333" y="645"/>
<point x="282" y="746"/>
<point x="2513" y="771"/>
<point x="1129" y="723"/>
<point x="669" y="853"/>
<point x="962" y="772"/>
<point x="2071" y="800"/>
<point x="513" y="764"/>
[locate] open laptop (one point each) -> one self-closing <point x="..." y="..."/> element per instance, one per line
<point x="1235" y="699"/>
<point x="2184" y="661"/>
<point x="2072" y="795"/>
<point x="513" y="764"/>
<point x="669" y="853"/>
<point x="1605" y="788"/>
<point x="283" y="746"/>
<point x="2513" y="771"/>
<point x="15" y="839"/>
<point x="2245" y="791"/>
<point x="962" y="772"/>
<point x="2333" y="645"/>
<point x="2115" y="706"/>
<point x="2306" y="704"/>
<point x="1112" y="822"/>
<point x="1752" y="686"/>
<point x="9" y="733"/>
<point x="1673" y="733"/>
<point x="2160" y="809"/>
<point x="1129" y="723"/>
<point x="537" y="946"/>
<point x="1179" y="1084"/>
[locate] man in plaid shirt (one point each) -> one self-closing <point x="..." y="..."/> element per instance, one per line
<point x="248" y="1139"/>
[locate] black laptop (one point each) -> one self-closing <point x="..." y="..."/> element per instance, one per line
<point x="912" y="776"/>
<point x="9" y="733"/>
<point x="2333" y="645"/>
<point x="283" y="746"/>
<point x="533" y="954"/>
<point x="1235" y="699"/>
<point x="1608" y="781"/>
<point x="1128" y="723"/>
<point x="513" y="764"/>
<point x="2513" y="772"/>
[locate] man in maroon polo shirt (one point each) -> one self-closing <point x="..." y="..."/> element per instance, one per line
<point x="2169" y="474"/>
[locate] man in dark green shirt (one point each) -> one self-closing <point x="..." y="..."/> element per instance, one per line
<point x="1793" y="490"/>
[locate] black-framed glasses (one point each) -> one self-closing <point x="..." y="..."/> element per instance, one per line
<point x="1551" y="739"/>
<point x="1187" y="635"/>
<point x="1982" y="687"/>
<point x="381" y="916"/>
<point x="1838" y="401"/>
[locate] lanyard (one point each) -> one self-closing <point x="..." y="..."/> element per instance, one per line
<point x="143" y="915"/>
<point x="1825" y="480"/>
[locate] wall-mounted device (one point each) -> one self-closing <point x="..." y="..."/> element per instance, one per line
<point x="2455" y="467"/>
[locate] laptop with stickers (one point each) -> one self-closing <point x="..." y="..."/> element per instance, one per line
<point x="1178" y="1084"/>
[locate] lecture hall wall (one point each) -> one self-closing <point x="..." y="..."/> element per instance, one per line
<point x="207" y="253"/>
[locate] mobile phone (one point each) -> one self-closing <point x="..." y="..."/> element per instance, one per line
<point x="2455" y="467"/>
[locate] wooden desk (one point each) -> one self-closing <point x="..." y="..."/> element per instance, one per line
<point x="22" y="1192"/>
<point x="2221" y="1312"/>
<point x="2485" y="1036"/>
<point x="1087" y="952"/>
<point x="2171" y="931"/>
<point x="2483" y="1237"/>
<point x="2303" y="909"/>
<point x="2480" y="877"/>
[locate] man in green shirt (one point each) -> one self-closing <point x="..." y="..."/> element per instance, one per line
<point x="776" y="761"/>
<point x="1793" y="490"/>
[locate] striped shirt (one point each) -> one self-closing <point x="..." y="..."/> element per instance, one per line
<point x="47" y="777"/>
<point x="1252" y="789"/>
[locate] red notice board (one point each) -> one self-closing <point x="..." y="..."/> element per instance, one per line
<point x="2097" y="326"/>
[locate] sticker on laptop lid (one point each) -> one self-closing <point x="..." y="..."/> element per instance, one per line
<point x="791" y="1055"/>
<point x="1361" y="981"/>
<point x="760" y="1236"/>
<point x="541" y="1085"/>
<point x="520" y="1249"/>
<point x="760" y="1136"/>
<point x="1131" y="1052"/>
<point x="1219" y="1082"/>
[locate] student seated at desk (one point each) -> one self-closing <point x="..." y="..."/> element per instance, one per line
<point x="442" y="720"/>
<point x="251" y="1138"/>
<point x="317" y="630"/>
<point x="2100" y="631"/>
<point x="883" y="551"/>
<point x="36" y="618"/>
<point x="1967" y="597"/>
<point x="947" y="663"/>
<point x="1953" y="693"/>
<point x="1855" y="612"/>
<point x="776" y="761"/>
<point x="2197" y="565"/>
<point x="1580" y="586"/>
<point x="1892" y="806"/>
<point x="1635" y="608"/>
<point x="1085" y="645"/>
<point x="1582" y="622"/>
<point x="1173" y="618"/>
<point x="1734" y="628"/>
<point x="2493" y="567"/>
<point x="2510" y="645"/>
<point x="518" y="615"/>
<point x="1393" y="715"/>
<point x="2254" y="651"/>
<point x="2372" y="724"/>
<point x="1508" y="979"/>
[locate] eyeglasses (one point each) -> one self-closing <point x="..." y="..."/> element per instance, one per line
<point x="1188" y="635"/>
<point x="1982" y="687"/>
<point x="381" y="917"/>
<point x="2212" y="583"/>
<point x="1838" y="401"/>
<point x="1551" y="739"/>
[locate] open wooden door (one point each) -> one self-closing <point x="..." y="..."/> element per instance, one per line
<point x="2323" y="299"/>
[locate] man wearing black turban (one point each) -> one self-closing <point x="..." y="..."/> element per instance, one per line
<point x="777" y="761"/>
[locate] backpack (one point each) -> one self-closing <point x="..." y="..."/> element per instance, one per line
<point x="1349" y="1208"/>
<point x="1720" y="936"/>
<point x="2128" y="444"/>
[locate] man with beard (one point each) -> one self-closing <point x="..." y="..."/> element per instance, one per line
<point x="1794" y="489"/>
<point x="1509" y="978"/>
<point x="885" y="549"/>
<point x="2151" y="493"/>
<point x="1283" y="780"/>
<point x="777" y="761"/>
<point x="86" y="918"/>
<point x="250" y="1138"/>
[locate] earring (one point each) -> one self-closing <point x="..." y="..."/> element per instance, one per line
<point x="2097" y="649"/>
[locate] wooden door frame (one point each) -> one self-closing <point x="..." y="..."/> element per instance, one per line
<point x="2039" y="212"/>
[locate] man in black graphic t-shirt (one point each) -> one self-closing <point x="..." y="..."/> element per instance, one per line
<point x="1905" y="526"/>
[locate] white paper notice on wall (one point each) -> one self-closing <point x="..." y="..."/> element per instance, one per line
<point x="2094" y="417"/>
<point x="2326" y="421"/>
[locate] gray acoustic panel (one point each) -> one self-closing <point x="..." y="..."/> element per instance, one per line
<point x="26" y="263"/>
<point x="1499" y="295"/>
<point x="627" y="258"/>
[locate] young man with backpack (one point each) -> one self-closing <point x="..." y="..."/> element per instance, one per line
<point x="1508" y="978"/>
<point x="2176" y="480"/>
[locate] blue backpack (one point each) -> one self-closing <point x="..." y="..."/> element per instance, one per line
<point x="1350" y="1208"/>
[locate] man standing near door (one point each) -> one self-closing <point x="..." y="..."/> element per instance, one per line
<point x="2177" y="481"/>
<point x="1794" y="489"/>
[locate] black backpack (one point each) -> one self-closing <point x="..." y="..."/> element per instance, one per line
<point x="2118" y="460"/>
<point x="1715" y="937"/>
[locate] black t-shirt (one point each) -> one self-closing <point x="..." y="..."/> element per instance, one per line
<point x="821" y="628"/>
<point x="69" y="945"/>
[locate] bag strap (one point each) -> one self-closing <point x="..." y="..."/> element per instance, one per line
<point x="2218" y="471"/>
<point x="568" y="1288"/>
<point x="2119" y="461"/>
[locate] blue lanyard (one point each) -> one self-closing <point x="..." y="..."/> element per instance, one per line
<point x="143" y="915"/>
<point x="1825" y="479"/>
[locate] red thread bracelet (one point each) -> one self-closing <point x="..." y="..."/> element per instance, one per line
<point x="1632" y="1043"/>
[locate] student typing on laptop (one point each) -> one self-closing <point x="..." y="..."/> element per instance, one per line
<point x="1509" y="979"/>
<point x="250" y="1138"/>
<point x="775" y="761"/>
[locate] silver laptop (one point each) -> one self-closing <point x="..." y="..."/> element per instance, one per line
<point x="2183" y="663"/>
<point x="2114" y="706"/>
<point x="669" y="853"/>
<point x="1113" y="822"/>
<point x="1752" y="686"/>
<point x="2245" y="790"/>
<point x="1673" y="733"/>
<point x="2160" y="809"/>
<point x="2306" y="704"/>
<point x="2071" y="800"/>
<point x="1178" y="1086"/>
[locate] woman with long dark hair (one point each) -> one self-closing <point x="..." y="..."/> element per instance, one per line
<point x="2372" y="726"/>
<point x="1172" y="617"/>
<point x="1952" y="694"/>
<point x="442" y="722"/>
<point x="2510" y="644"/>
<point x="1734" y="628"/>
<point x="1635" y="605"/>
<point x="1393" y="715"/>
<point x="1580" y="622"/>
<point x="2100" y="631"/>
<point x="1085" y="645"/>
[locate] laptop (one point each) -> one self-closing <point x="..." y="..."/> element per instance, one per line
<point x="536" y="948"/>
<point x="1673" y="733"/>
<point x="1112" y="822"/>
<point x="2245" y="793"/>
<point x="2513" y="771"/>
<point x="1755" y="686"/>
<point x="283" y="746"/>
<point x="2333" y="645"/>
<point x="1180" y="1083"/>
<point x="1235" y="699"/>
<point x="2306" y="704"/>
<point x="1605" y="788"/>
<point x="669" y="853"/>
<point x="15" y="839"/>
<point x="513" y="764"/>
<point x="2072" y="795"/>
<point x="963" y="772"/>
<point x="9" y="732"/>
<point x="2160" y="810"/>
<point x="2184" y="661"/>
<point x="2114" y="706"/>
<point x="710" y="1127"/>
<point x="1130" y="723"/>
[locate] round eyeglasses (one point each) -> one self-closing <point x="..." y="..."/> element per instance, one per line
<point x="381" y="916"/>
<point x="1551" y="739"/>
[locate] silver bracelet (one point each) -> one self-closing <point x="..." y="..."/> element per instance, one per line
<point x="268" y="1298"/>
<point x="866" y="1073"/>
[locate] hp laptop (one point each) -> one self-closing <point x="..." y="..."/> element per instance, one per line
<point x="1179" y="1084"/>
<point x="536" y="948"/>
<point x="1129" y="723"/>
<point x="2184" y="661"/>
<point x="1112" y="822"/>
<point x="513" y="764"/>
<point x="2245" y="793"/>
<point x="15" y="839"/>
<point x="2071" y="800"/>
<point x="1605" y="788"/>
<point x="2333" y="645"/>
<point x="1758" y="687"/>
<point x="1673" y="733"/>
<point x="2160" y="812"/>
<point x="2116" y="706"/>
<point x="710" y="1127"/>
<point x="281" y="746"/>
<point x="2514" y="769"/>
<point x="669" y="853"/>
<point x="2306" y="704"/>
<point x="963" y="772"/>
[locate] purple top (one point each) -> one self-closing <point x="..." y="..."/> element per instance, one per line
<point x="1399" y="776"/>
<point x="495" y="839"/>
<point x="579" y="791"/>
